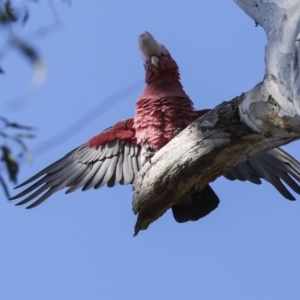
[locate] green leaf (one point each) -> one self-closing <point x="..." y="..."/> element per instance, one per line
<point x="11" y="164"/>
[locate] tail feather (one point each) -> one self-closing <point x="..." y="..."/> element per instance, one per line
<point x="194" y="206"/>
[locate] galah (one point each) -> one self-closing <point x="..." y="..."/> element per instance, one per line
<point x="117" y="154"/>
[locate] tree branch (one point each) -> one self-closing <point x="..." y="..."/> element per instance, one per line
<point x="263" y="118"/>
<point x="280" y="20"/>
<point x="202" y="152"/>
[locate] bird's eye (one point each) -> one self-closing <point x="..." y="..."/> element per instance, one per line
<point x="162" y="54"/>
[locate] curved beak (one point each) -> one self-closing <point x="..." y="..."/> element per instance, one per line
<point x="154" y="60"/>
<point x="149" y="47"/>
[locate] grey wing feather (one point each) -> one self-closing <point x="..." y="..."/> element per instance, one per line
<point x="118" y="173"/>
<point x="274" y="166"/>
<point x="87" y="182"/>
<point x="109" y="171"/>
<point x="111" y="163"/>
<point x="235" y="172"/>
<point x="135" y="165"/>
<point x="128" y="174"/>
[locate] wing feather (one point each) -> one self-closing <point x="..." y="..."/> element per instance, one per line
<point x="275" y="166"/>
<point x="80" y="181"/>
<point x="127" y="167"/>
<point x="89" y="177"/>
<point x="135" y="165"/>
<point x="235" y="172"/>
<point x="108" y="172"/>
<point x="100" y="173"/>
<point x="35" y="194"/>
<point x="118" y="173"/>
<point x="112" y="162"/>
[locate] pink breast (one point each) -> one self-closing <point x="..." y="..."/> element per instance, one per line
<point x="157" y="120"/>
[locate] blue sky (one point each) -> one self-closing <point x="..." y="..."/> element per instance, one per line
<point x="80" y="246"/>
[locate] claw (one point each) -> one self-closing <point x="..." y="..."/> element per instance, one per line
<point x="177" y="131"/>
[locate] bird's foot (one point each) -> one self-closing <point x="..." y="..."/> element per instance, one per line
<point x="147" y="154"/>
<point x="177" y="131"/>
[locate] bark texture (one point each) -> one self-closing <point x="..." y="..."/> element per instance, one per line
<point x="273" y="106"/>
<point x="202" y="152"/>
<point x="261" y="119"/>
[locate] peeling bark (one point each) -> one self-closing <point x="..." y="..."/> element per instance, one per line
<point x="263" y="118"/>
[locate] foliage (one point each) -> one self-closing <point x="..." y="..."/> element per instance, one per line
<point x="15" y="14"/>
<point x="12" y="145"/>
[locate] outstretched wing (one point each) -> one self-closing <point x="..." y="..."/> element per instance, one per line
<point x="110" y="158"/>
<point x="274" y="166"/>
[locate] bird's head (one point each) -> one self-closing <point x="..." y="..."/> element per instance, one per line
<point x="157" y="60"/>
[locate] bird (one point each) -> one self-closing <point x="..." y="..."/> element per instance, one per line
<point x="116" y="155"/>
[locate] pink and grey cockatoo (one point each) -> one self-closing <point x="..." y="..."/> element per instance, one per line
<point x="117" y="154"/>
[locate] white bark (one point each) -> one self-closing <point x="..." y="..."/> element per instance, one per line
<point x="263" y="118"/>
<point x="280" y="88"/>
